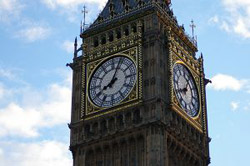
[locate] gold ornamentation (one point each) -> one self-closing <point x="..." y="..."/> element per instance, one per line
<point x="196" y="121"/>
<point x="135" y="95"/>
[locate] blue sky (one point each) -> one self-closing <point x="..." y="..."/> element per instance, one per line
<point x="36" y="41"/>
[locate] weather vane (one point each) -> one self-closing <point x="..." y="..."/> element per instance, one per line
<point x="193" y="26"/>
<point x="83" y="25"/>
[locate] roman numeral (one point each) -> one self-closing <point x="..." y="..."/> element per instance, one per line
<point x="128" y="67"/>
<point x="128" y="85"/>
<point x="121" y="94"/>
<point x="105" y="71"/>
<point x="98" y="94"/>
<point x="112" y="98"/>
<point x="112" y="64"/>
<point x="130" y="75"/>
<point x="104" y="98"/>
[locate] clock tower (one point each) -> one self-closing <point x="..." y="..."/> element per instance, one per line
<point x="138" y="90"/>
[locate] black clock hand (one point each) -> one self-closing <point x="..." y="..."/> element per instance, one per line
<point x="185" y="89"/>
<point x="113" y="80"/>
<point x="110" y="84"/>
<point x="117" y="67"/>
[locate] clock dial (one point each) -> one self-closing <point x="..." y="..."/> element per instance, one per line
<point x="186" y="90"/>
<point x="112" y="81"/>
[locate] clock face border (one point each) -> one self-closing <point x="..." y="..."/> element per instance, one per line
<point x="104" y="96"/>
<point x="135" y="95"/>
<point x="188" y="110"/>
<point x="196" y="80"/>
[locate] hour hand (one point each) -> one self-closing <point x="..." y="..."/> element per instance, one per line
<point x="183" y="90"/>
<point x="110" y="84"/>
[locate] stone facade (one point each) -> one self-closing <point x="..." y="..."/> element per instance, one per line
<point x="149" y="128"/>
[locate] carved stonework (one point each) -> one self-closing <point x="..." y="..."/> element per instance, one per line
<point x="149" y="126"/>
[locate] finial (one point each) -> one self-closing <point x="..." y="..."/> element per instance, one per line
<point x="76" y="41"/>
<point x="75" y="48"/>
<point x="84" y="11"/>
<point x="201" y="58"/>
<point x="81" y="28"/>
<point x="168" y="2"/>
<point x="193" y="26"/>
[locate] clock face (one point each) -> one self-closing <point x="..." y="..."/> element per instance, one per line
<point x="112" y="81"/>
<point x="186" y="90"/>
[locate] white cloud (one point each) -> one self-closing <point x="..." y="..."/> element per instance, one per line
<point x="49" y="153"/>
<point x="2" y="91"/>
<point x="71" y="3"/>
<point x="246" y="106"/>
<point x="9" y="73"/>
<point x="23" y="27"/>
<point x="9" y="9"/>
<point x="226" y="82"/>
<point x="234" y="105"/>
<point x="68" y="46"/>
<point x="72" y="8"/>
<point x="214" y="19"/>
<point x="39" y="109"/>
<point x="225" y="26"/>
<point x="237" y="18"/>
<point x="34" y="33"/>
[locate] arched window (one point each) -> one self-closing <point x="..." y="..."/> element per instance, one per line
<point x="103" y="127"/>
<point x="118" y="34"/>
<point x="134" y="28"/>
<point x="137" y="116"/>
<point x="111" y="36"/>
<point x="126" y="31"/>
<point x="120" y="121"/>
<point x="87" y="131"/>
<point x="96" y="42"/>
<point x="128" y="118"/>
<point x="95" y="128"/>
<point x="103" y="39"/>
<point x="111" y="124"/>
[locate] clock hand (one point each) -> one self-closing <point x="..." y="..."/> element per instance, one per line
<point x="114" y="79"/>
<point x="110" y="84"/>
<point x="117" y="67"/>
<point x="185" y="89"/>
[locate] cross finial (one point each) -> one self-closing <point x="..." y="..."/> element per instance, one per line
<point x="193" y="26"/>
<point x="84" y="11"/>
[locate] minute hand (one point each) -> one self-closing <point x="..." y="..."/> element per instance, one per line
<point x="117" y="67"/>
<point x="112" y="81"/>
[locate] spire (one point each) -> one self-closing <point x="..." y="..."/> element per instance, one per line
<point x="201" y="58"/>
<point x="193" y="26"/>
<point x="81" y="28"/>
<point x="84" y="11"/>
<point x="75" y="48"/>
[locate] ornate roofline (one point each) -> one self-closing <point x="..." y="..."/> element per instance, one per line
<point x="139" y="11"/>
